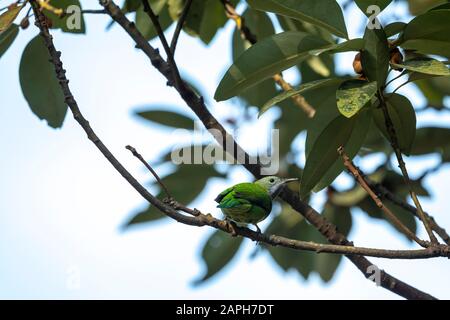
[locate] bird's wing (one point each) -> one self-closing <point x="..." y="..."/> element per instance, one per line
<point x="222" y="195"/>
<point x="233" y="202"/>
<point x="254" y="194"/>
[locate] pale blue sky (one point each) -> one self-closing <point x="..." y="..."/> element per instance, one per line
<point x="62" y="204"/>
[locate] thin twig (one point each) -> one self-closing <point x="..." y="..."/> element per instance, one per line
<point x="395" y="146"/>
<point x="179" y="27"/>
<point x="153" y="172"/>
<point x="93" y="11"/>
<point x="360" y="178"/>
<point x="162" y="37"/>
<point x="247" y="35"/>
<point x="198" y="106"/>
<point x="384" y="193"/>
<point x="395" y="78"/>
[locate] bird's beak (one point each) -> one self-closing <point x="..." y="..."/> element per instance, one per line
<point x="288" y="180"/>
<point x="280" y="186"/>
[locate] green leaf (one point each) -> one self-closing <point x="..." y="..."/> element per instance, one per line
<point x="441" y="6"/>
<point x="375" y="56"/>
<point x="432" y="89"/>
<point x="431" y="140"/>
<point x="311" y="11"/>
<point x="352" y="95"/>
<point x="299" y="90"/>
<point x="168" y="118"/>
<point x="420" y="6"/>
<point x="218" y="251"/>
<point x="261" y="26"/>
<point x="7" y="18"/>
<point x="291" y="225"/>
<point x="40" y="86"/>
<point x="289" y="24"/>
<point x="425" y="65"/>
<point x="403" y="118"/>
<point x="131" y="5"/>
<point x="349" y="45"/>
<point x="264" y="59"/>
<point x="327" y="264"/>
<point x="364" y="4"/>
<point x="7" y="38"/>
<point x="428" y="33"/>
<point x="394" y="28"/>
<point x="352" y="147"/>
<point x="145" y="25"/>
<point x="204" y="19"/>
<point x="322" y="156"/>
<point x="70" y="23"/>
<point x="175" y="8"/>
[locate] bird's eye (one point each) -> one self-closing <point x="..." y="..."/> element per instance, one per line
<point x="272" y="180"/>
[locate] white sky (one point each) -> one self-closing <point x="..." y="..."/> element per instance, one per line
<point x="62" y="204"/>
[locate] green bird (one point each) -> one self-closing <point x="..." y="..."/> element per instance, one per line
<point x="250" y="202"/>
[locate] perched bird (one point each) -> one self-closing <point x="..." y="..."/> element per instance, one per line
<point x="250" y="202"/>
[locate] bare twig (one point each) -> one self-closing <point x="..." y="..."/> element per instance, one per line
<point x="360" y="178"/>
<point x="176" y="74"/>
<point x="179" y="27"/>
<point x="395" y="146"/>
<point x="153" y="172"/>
<point x="93" y="11"/>
<point x="247" y="35"/>
<point x="383" y="192"/>
<point x="197" y="105"/>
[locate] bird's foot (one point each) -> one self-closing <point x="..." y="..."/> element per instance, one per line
<point x="258" y="230"/>
<point x="231" y="227"/>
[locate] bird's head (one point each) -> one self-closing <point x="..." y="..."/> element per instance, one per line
<point x="273" y="184"/>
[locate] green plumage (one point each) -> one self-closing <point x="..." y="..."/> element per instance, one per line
<point x="245" y="203"/>
<point x="250" y="202"/>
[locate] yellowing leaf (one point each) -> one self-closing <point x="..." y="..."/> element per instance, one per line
<point x="352" y="95"/>
<point x="425" y="65"/>
<point x="7" y="38"/>
<point x="8" y="17"/>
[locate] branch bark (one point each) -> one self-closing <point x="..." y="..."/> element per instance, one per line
<point x="248" y="35"/>
<point x="197" y="105"/>
<point x="179" y="27"/>
<point x="394" y="143"/>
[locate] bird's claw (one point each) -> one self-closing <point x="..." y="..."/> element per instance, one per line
<point x="231" y="227"/>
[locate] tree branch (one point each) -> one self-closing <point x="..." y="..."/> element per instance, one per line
<point x="247" y="35"/>
<point x="153" y="172"/>
<point x="162" y="37"/>
<point x="179" y="27"/>
<point x="383" y="192"/>
<point x="362" y="182"/>
<point x="394" y="143"/>
<point x="197" y="105"/>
